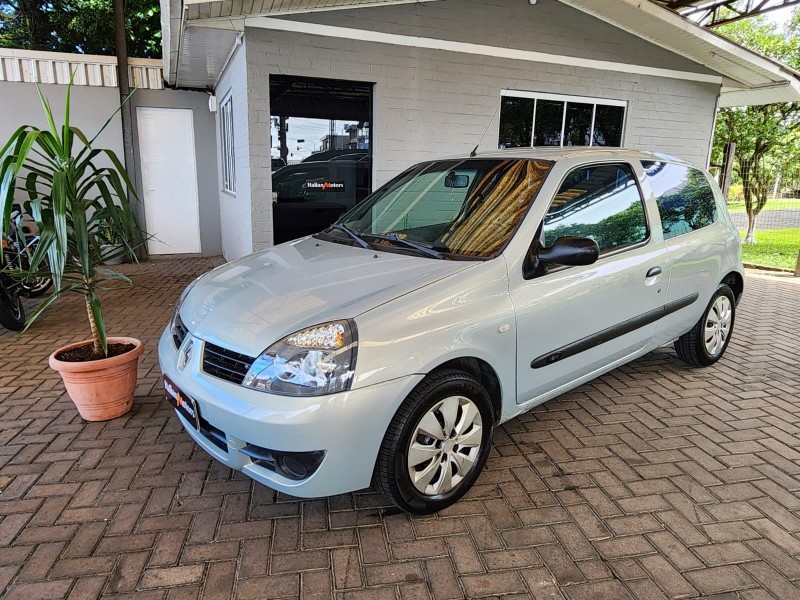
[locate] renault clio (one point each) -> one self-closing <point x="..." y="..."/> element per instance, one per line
<point x="386" y="349"/>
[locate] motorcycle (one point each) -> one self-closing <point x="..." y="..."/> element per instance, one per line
<point x="12" y="312"/>
<point x="21" y="246"/>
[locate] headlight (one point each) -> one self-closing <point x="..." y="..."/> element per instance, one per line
<point x="175" y="324"/>
<point x="314" y="361"/>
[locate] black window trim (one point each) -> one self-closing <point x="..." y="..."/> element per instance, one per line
<point x="607" y="253"/>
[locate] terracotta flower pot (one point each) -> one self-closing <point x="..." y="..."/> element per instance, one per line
<point x="101" y="389"/>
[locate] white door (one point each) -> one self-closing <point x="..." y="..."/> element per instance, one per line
<point x="169" y="176"/>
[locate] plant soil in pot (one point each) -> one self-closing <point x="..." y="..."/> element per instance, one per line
<point x="101" y="388"/>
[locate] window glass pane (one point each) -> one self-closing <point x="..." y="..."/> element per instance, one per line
<point x="466" y="207"/>
<point x="684" y="196"/>
<point x="578" y="126"/>
<point x="228" y="164"/>
<point x="549" y="120"/>
<point x="602" y="203"/>
<point x="608" y="124"/>
<point x="433" y="202"/>
<point x="516" y="121"/>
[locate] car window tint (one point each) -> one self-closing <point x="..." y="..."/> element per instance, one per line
<point x="600" y="202"/>
<point x="684" y="197"/>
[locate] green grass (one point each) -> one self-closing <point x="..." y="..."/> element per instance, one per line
<point x="772" y="204"/>
<point x="773" y="248"/>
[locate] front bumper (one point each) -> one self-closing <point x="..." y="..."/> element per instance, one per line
<point x="348" y="426"/>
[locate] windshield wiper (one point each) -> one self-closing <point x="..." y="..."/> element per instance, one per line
<point x="419" y="246"/>
<point x="352" y="234"/>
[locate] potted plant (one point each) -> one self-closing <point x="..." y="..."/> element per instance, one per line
<point x="78" y="195"/>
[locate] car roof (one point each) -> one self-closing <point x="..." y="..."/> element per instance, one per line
<point x="586" y="153"/>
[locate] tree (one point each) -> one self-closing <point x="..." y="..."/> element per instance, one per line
<point x="81" y="26"/>
<point x="763" y="134"/>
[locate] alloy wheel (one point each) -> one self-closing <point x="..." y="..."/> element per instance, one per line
<point x="718" y="325"/>
<point x="445" y="446"/>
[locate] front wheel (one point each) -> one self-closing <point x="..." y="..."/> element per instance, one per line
<point x="36" y="286"/>
<point x="706" y="342"/>
<point x="437" y="444"/>
<point x="12" y="313"/>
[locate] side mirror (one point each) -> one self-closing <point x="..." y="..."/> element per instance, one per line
<point x="570" y="251"/>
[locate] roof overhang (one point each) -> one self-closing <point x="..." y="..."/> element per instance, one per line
<point x="713" y="13"/>
<point x="750" y="78"/>
<point x="199" y="36"/>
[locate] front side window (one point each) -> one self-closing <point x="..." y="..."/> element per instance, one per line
<point x="601" y="202"/>
<point x="537" y="119"/>
<point x="226" y="136"/>
<point x="684" y="197"/>
<point x="466" y="207"/>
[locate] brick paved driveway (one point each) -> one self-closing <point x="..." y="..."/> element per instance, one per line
<point x="653" y="481"/>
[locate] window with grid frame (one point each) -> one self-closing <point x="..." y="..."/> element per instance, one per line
<point x="226" y="135"/>
<point x="539" y="119"/>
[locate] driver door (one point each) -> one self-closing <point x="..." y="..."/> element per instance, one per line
<point x="576" y="321"/>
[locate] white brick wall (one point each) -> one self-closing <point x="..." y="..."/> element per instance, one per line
<point x="431" y="103"/>
<point x="235" y="210"/>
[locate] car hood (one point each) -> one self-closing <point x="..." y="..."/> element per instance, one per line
<point x="249" y="304"/>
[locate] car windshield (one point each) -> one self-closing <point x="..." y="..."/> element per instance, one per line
<point x="465" y="207"/>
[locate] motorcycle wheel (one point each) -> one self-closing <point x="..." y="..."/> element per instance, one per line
<point x="12" y="313"/>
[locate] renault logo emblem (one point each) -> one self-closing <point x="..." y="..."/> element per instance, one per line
<point x="185" y="354"/>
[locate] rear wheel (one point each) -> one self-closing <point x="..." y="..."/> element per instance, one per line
<point x="34" y="287"/>
<point x="12" y="313"/>
<point x="706" y="342"/>
<point x="437" y="443"/>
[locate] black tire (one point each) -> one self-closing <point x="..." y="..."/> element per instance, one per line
<point x="12" y="313"/>
<point x="392" y="477"/>
<point x="691" y="346"/>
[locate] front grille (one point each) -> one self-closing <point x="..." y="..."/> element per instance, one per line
<point x="226" y="364"/>
<point x="179" y="332"/>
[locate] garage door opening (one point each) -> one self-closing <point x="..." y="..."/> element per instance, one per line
<point x="321" y="139"/>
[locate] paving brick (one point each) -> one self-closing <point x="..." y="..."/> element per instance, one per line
<point x="171" y="576"/>
<point x="393" y="573"/>
<point x="491" y="584"/>
<point x="601" y="589"/>
<point x="346" y="568"/>
<point x="720" y="579"/>
<point x="42" y="589"/>
<point x="220" y="580"/>
<point x="442" y="579"/>
<point x="294" y="562"/>
<point x="666" y="576"/>
<point x="316" y="585"/>
<point x="272" y="586"/>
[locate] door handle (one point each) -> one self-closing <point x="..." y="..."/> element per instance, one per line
<point x="653" y="272"/>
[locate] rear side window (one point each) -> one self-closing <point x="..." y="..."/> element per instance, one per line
<point x="685" y="198"/>
<point x="601" y="202"/>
